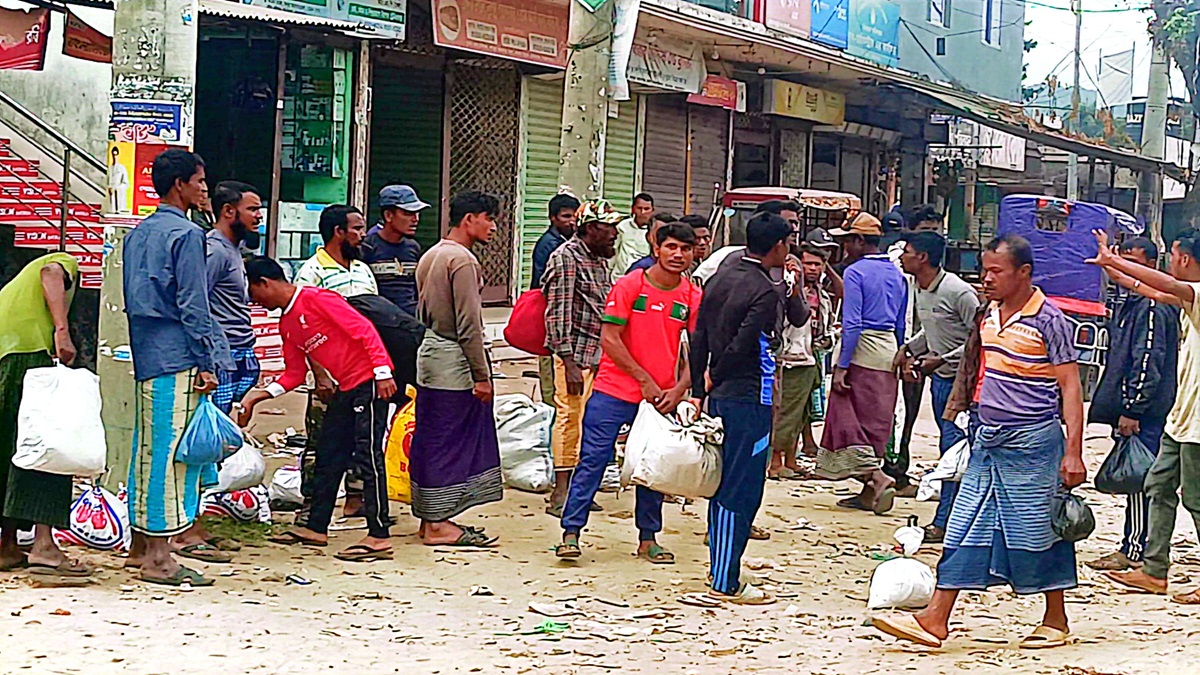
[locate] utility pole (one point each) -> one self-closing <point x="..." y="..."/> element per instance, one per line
<point x="585" y="100"/>
<point x="1154" y="143"/>
<point x="1073" y="161"/>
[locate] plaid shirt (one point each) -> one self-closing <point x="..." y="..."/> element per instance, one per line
<point x="576" y="284"/>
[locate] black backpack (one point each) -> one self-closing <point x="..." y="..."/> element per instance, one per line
<point x="401" y="334"/>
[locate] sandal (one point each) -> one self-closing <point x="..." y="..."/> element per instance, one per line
<point x="1192" y="598"/>
<point x="1045" y="637"/>
<point x="657" y="555"/>
<point x="853" y="503"/>
<point x="16" y="565"/>
<point x="471" y="538"/>
<point x="568" y="549"/>
<point x="225" y="544"/>
<point x="290" y="538"/>
<point x="182" y="576"/>
<point x="759" y="534"/>
<point x="71" y="568"/>
<point x="205" y="553"/>
<point x="884" y="502"/>
<point x="746" y="595"/>
<point x="364" y="553"/>
<point x="905" y="627"/>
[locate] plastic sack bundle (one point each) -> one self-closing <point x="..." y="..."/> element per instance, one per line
<point x="248" y="506"/>
<point x="285" y="487"/>
<point x="670" y="456"/>
<point x="901" y="583"/>
<point x="210" y="436"/>
<point x="397" y="450"/>
<point x="523" y="430"/>
<point x="1071" y="517"/>
<point x="52" y="442"/>
<point x="1124" y="470"/>
<point x="243" y="470"/>
<point x="98" y="520"/>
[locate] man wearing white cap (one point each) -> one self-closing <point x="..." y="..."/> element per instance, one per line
<point x="391" y="248"/>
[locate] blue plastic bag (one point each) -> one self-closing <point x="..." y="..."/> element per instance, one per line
<point x="210" y="436"/>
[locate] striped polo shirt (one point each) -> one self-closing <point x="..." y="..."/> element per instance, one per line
<point x="1019" y="386"/>
<point x="322" y="271"/>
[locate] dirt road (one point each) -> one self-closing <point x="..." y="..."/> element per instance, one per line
<point x="445" y="611"/>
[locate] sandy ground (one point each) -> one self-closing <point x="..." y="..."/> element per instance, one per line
<point x="435" y="610"/>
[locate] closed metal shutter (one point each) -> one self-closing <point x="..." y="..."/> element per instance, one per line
<point x="708" y="134"/>
<point x="541" y="130"/>
<point x="484" y="115"/>
<point x="793" y="158"/>
<point x="664" y="164"/>
<point x="620" y="155"/>
<point x="406" y="141"/>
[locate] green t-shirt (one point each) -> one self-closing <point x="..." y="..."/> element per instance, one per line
<point x="28" y="326"/>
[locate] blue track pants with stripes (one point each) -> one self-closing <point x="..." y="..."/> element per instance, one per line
<point x="745" y="455"/>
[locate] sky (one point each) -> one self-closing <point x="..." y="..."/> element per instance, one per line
<point x="1104" y="32"/>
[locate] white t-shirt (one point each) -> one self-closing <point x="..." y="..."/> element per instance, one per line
<point x="1183" y="424"/>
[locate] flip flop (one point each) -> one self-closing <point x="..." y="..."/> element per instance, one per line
<point x="1045" y="637"/>
<point x="18" y="565"/>
<point x="364" y="553"/>
<point x="205" y="553"/>
<point x="759" y="534"/>
<point x="853" y="504"/>
<point x="657" y="555"/>
<point x="290" y="538"/>
<point x="884" y="502"/>
<point x="905" y="627"/>
<point x="225" y="544"/>
<point x="746" y="595"/>
<point x="182" y="576"/>
<point x="568" y="549"/>
<point x="1192" y="598"/>
<point x="71" y="568"/>
<point x="471" y="538"/>
<point x="1121" y="579"/>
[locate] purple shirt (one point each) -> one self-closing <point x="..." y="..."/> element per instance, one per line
<point x="875" y="299"/>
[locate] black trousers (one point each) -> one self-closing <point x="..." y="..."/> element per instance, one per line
<point x="898" y="470"/>
<point x="352" y="438"/>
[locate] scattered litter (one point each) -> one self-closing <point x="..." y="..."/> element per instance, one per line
<point x="61" y="612"/>
<point x="297" y="580"/>
<point x="804" y="524"/>
<point x="552" y="610"/>
<point x="481" y="590"/>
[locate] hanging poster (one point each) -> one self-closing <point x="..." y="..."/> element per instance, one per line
<point x="831" y="22"/>
<point x="625" y="14"/>
<point x="721" y="92"/>
<point x="119" y="181"/>
<point x="23" y="37"/>
<point x="145" y="199"/>
<point x="145" y="121"/>
<point x="81" y="41"/>
<point x="875" y="30"/>
<point x="789" y="16"/>
<point x="386" y="18"/>
<point x="673" y="65"/>
<point x="533" y="31"/>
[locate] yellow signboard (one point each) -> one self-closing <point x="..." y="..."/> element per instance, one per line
<point x="803" y="102"/>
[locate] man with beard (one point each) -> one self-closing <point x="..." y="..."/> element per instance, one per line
<point x="338" y="267"/>
<point x="238" y="210"/>
<point x="576" y="283"/>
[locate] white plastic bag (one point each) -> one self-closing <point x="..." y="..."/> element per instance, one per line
<point x="930" y="489"/>
<point x="901" y="583"/>
<point x="251" y="505"/>
<point x="285" y="486"/>
<point x="910" y="537"/>
<point x="243" y="470"/>
<point x="671" y="457"/>
<point x="953" y="464"/>
<point x="99" y="520"/>
<point x="58" y="425"/>
<point x="523" y="429"/>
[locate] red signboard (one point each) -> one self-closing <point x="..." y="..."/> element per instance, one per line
<point x="789" y="16"/>
<point x="84" y="42"/>
<point x="23" y="37"/>
<point x="145" y="199"/>
<point x="534" y="31"/>
<point x="47" y="236"/>
<point x="46" y="214"/>
<point x="721" y="92"/>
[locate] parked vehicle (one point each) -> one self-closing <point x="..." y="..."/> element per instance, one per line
<point x="820" y="208"/>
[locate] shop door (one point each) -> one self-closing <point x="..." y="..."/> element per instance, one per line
<point x="541" y="129"/>
<point x="664" y="163"/>
<point x="406" y="141"/>
<point x="620" y="154"/>
<point x="793" y="158"/>
<point x="484" y="112"/>
<point x="708" y="155"/>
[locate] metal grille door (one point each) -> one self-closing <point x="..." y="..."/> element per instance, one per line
<point x="483" y="105"/>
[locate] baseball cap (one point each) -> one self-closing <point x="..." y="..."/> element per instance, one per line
<point x="820" y="238"/>
<point x="864" y="224"/>
<point x="400" y="197"/>
<point x="598" y="210"/>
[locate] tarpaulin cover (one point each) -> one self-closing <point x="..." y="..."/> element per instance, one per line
<point x="1060" y="248"/>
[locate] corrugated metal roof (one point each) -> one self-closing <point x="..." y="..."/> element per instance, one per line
<point x="235" y="10"/>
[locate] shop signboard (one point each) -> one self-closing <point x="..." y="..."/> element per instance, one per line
<point x="533" y="31"/>
<point x="385" y="18"/>
<point x="721" y="92"/>
<point x="23" y="37"/>
<point x="875" y="30"/>
<point x="673" y="65"/>
<point x="830" y="23"/>
<point x="789" y="16"/>
<point x="789" y="99"/>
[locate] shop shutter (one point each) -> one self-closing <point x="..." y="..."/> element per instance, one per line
<point x="665" y="158"/>
<point x="406" y="141"/>
<point x="620" y="155"/>
<point x="708" y="132"/>
<point x="793" y="158"/>
<point x="541" y="129"/>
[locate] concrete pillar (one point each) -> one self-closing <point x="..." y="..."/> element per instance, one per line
<point x="913" y="152"/>
<point x="585" y="102"/>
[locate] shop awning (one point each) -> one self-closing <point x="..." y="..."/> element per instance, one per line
<point x="234" y="10"/>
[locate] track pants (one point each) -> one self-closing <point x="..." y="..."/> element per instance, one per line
<point x="1137" y="505"/>
<point x="744" y="458"/>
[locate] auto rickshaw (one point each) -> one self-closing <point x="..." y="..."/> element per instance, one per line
<point x="819" y="208"/>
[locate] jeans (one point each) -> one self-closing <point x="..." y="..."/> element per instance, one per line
<point x="1177" y="468"/>
<point x="949" y="434"/>
<point x="352" y="437"/>
<point x="602" y="420"/>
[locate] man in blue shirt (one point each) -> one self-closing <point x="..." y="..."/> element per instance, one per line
<point x="563" y="216"/>
<point x="863" y="401"/>
<point x="391" y="249"/>
<point x="177" y="350"/>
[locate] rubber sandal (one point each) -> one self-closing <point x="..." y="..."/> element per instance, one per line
<point x="290" y="538"/>
<point x="364" y="553"/>
<point x="1113" y="562"/>
<point x="905" y="627"/>
<point x="471" y="538"/>
<point x="183" y="576"/>
<point x="746" y="595"/>
<point x="568" y="548"/>
<point x="225" y="544"/>
<point x="1122" y="579"/>
<point x="759" y="534"/>
<point x="885" y="502"/>
<point x="595" y="508"/>
<point x="555" y="510"/>
<point x="205" y="553"/>
<point x="1045" y="637"/>
<point x="853" y="504"/>
<point x="18" y="565"/>
<point x="71" y="568"/>
<point x="1192" y="598"/>
<point x="657" y="555"/>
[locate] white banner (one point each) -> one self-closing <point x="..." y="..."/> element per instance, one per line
<point x="1116" y="78"/>
<point x="673" y="65"/>
<point x="625" y="14"/>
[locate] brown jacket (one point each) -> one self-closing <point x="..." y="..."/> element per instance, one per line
<point x="968" y="369"/>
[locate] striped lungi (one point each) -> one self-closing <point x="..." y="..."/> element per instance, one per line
<point x="164" y="495"/>
<point x="1000" y="529"/>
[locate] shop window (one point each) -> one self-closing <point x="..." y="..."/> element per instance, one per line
<point x="991" y="22"/>
<point x="939" y="13"/>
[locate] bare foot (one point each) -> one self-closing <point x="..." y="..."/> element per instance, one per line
<point x="353" y="508"/>
<point x="939" y="630"/>
<point x="1139" y="581"/>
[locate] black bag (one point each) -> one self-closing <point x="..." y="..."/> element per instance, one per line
<point x="1071" y="517"/>
<point x="401" y="334"/>
<point x="1124" y="470"/>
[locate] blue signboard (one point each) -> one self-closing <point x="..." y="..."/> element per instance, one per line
<point x="831" y="22"/>
<point x="875" y="30"/>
